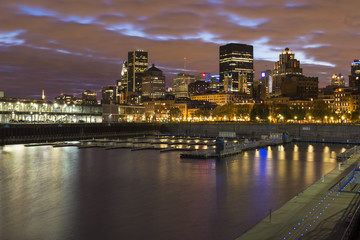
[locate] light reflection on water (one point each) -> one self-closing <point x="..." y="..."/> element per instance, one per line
<point x="67" y="193"/>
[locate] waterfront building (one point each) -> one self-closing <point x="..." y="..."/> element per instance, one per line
<point x="153" y="84"/>
<point x="181" y="83"/>
<point x="222" y="98"/>
<point x="158" y="110"/>
<point x="337" y="80"/>
<point x="108" y="95"/>
<point x="89" y="97"/>
<point x="113" y="113"/>
<point x="39" y="111"/>
<point x="287" y="65"/>
<point x="236" y="67"/>
<point x="346" y="101"/>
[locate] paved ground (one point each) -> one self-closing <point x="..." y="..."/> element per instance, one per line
<point x="322" y="211"/>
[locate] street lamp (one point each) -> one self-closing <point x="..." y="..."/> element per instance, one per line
<point x="326" y="118"/>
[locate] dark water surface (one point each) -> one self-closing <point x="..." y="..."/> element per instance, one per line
<point x="67" y="193"/>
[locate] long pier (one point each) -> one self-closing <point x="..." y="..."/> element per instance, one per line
<point x="328" y="209"/>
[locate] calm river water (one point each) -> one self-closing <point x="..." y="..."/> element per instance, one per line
<point x="70" y="193"/>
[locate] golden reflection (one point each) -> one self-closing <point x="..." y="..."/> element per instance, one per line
<point x="326" y="149"/>
<point x="310" y="148"/>
<point x="296" y="148"/>
<point x="296" y="153"/>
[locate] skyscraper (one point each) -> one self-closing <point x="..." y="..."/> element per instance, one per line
<point x="287" y="65"/>
<point x="153" y="83"/>
<point x="137" y="64"/>
<point x="236" y="67"/>
<point x="354" y="78"/>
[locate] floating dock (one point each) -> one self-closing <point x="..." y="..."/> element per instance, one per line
<point x="232" y="149"/>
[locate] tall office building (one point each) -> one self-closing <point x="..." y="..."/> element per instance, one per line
<point x="287" y="65"/>
<point x="153" y="83"/>
<point x="354" y="78"/>
<point x="122" y="82"/>
<point x="337" y="80"/>
<point x="137" y="64"/>
<point x="236" y="67"/>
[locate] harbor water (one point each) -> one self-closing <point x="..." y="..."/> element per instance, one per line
<point x="92" y="193"/>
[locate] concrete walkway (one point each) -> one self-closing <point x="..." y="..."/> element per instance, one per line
<point x="322" y="211"/>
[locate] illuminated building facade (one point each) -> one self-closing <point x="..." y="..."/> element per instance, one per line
<point x="337" y="80"/>
<point x="66" y="99"/>
<point x="137" y="64"/>
<point x="354" y="78"/>
<point x="153" y="84"/>
<point x="120" y="113"/>
<point x="236" y="67"/>
<point x="287" y="65"/>
<point x="181" y="84"/>
<point x="15" y="110"/>
<point x="89" y="97"/>
<point x="223" y="98"/>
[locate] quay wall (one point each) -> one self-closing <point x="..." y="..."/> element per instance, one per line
<point x="27" y="133"/>
<point x="302" y="132"/>
<point x="30" y="133"/>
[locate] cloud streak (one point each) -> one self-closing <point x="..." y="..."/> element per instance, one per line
<point x="81" y="44"/>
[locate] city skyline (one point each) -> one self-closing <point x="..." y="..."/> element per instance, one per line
<point x="70" y="47"/>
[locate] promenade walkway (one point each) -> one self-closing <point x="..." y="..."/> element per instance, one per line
<point x="323" y="211"/>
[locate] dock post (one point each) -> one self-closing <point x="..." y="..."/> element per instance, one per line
<point x="270" y="215"/>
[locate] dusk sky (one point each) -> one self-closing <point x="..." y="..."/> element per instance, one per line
<point x="68" y="46"/>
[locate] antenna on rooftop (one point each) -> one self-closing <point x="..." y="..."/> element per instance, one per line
<point x="185" y="63"/>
